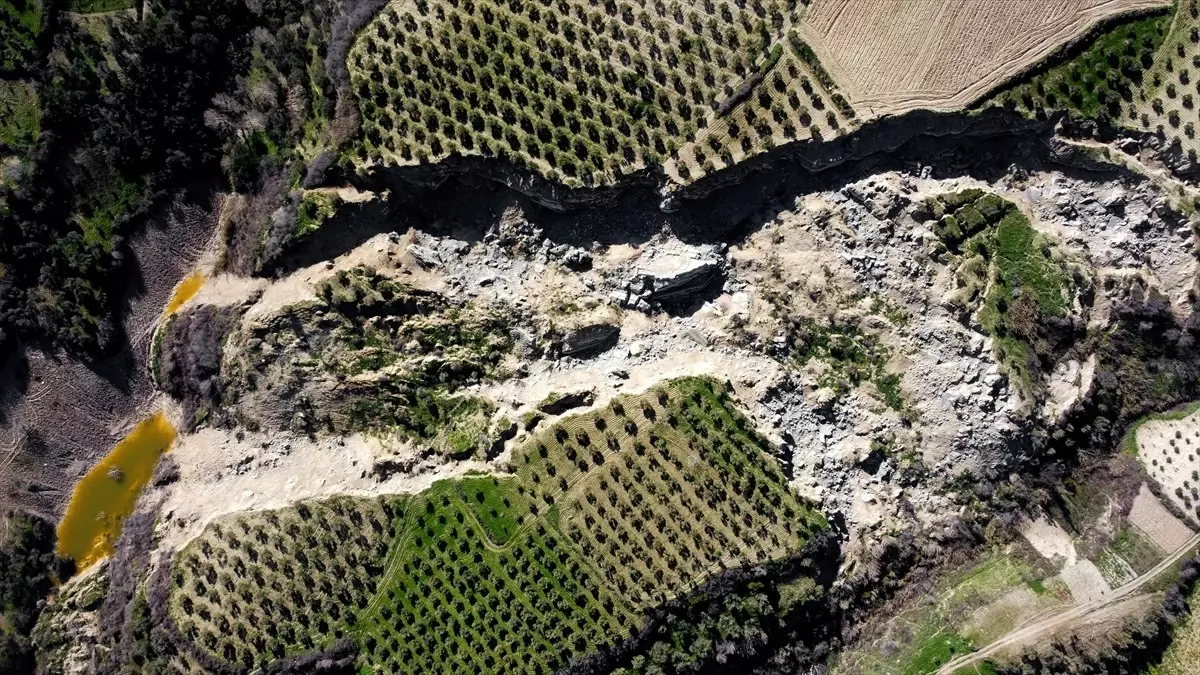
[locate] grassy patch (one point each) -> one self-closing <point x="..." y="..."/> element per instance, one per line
<point x="1141" y="554"/>
<point x="396" y="360"/>
<point x="1113" y="568"/>
<point x="936" y="651"/>
<point x="938" y="628"/>
<point x="452" y="424"/>
<point x="99" y="208"/>
<point x="316" y="207"/>
<point x="1087" y="502"/>
<point x="1024" y="265"/>
<point x="850" y="357"/>
<point x="518" y="573"/>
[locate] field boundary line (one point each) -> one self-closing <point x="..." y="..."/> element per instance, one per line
<point x="1031" y="631"/>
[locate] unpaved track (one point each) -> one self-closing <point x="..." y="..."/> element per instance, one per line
<point x="1033" y="631"/>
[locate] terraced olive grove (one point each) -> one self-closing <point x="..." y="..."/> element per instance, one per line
<point x="1141" y="74"/>
<point x="580" y="92"/>
<point x="605" y="516"/>
<point x="796" y="100"/>
<point x="1105" y="78"/>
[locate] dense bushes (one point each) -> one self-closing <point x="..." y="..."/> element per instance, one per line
<point x="21" y="26"/>
<point x="28" y="570"/>
<point x="1146" y="362"/>
<point x="188" y="363"/>
<point x="123" y="127"/>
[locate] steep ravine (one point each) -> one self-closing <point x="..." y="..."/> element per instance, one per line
<point x="856" y="221"/>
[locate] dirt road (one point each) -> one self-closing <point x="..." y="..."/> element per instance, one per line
<point x="1033" y="631"/>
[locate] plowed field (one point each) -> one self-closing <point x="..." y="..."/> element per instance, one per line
<point x="891" y="56"/>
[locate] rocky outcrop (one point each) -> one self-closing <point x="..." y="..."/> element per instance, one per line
<point x="673" y="273"/>
<point x="514" y="233"/>
<point x="590" y="340"/>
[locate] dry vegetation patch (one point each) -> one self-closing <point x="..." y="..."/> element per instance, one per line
<point x="942" y="54"/>
<point x="1156" y="522"/>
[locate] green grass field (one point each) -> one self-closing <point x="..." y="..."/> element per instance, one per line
<point x="606" y="515"/>
<point x="937" y="628"/>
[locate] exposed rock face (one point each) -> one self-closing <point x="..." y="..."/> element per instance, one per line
<point x="591" y="340"/>
<point x="1068" y="383"/>
<point x="425" y="257"/>
<point x="557" y="405"/>
<point x="677" y="271"/>
<point x="672" y="273"/>
<point x="518" y="236"/>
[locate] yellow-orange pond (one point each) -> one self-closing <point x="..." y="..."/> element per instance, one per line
<point x="105" y="497"/>
<point x="187" y="289"/>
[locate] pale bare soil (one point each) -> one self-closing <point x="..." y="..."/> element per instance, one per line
<point x="1069" y="381"/>
<point x="1085" y="581"/>
<point x="1170" y="451"/>
<point x="1081" y="576"/>
<point x="220" y="473"/>
<point x="1156" y="522"/>
<point x="891" y="57"/>
<point x="1050" y="540"/>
